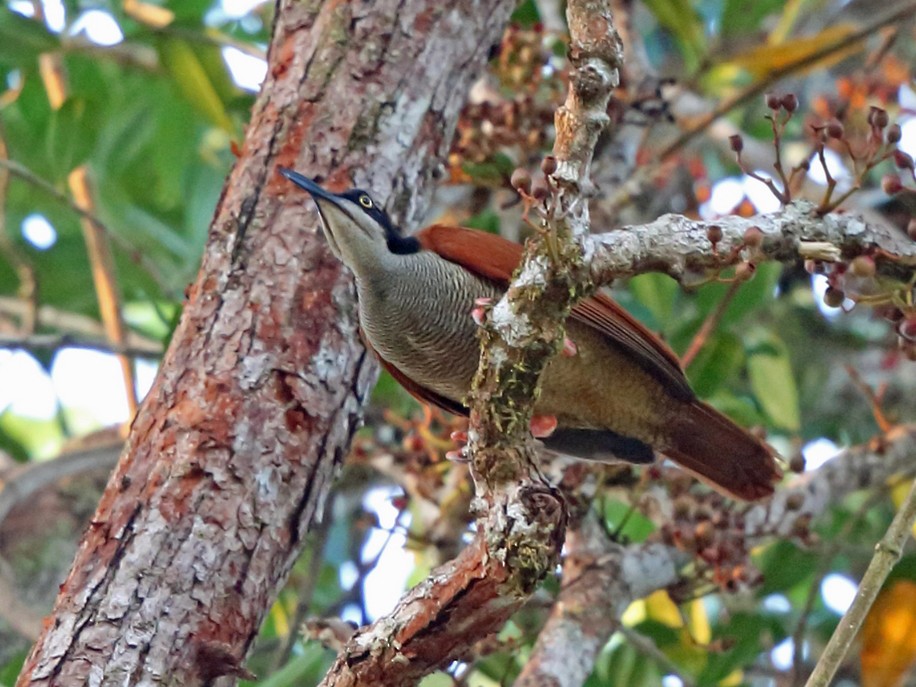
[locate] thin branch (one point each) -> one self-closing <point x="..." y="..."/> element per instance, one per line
<point x="23" y="481"/>
<point x="710" y="324"/>
<point x="28" y="282"/>
<point x="17" y="486"/>
<point x="73" y="327"/>
<point x="22" y="172"/>
<point x="54" y="342"/>
<point x="887" y="553"/>
<point x="679" y="246"/>
<point x="101" y="260"/>
<point x="646" y="646"/>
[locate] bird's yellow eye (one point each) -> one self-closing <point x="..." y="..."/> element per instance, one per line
<point x="365" y="201"/>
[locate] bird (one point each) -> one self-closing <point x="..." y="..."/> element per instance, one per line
<point x="619" y="394"/>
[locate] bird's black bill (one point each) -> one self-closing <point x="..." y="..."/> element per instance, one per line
<point x="304" y="182"/>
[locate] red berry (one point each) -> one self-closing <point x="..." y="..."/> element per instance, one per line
<point x="521" y="180"/>
<point x="745" y="271"/>
<point x="549" y="165"/>
<point x="789" y="102"/>
<point x="753" y="237"/>
<point x="773" y="101"/>
<point x="877" y="117"/>
<point x="891" y="184"/>
<point x="894" y="134"/>
<point x="736" y="143"/>
<point x="863" y="266"/>
<point x="835" y="129"/>
<point x="881" y="119"/>
<point x="903" y="160"/>
<point x="834" y="297"/>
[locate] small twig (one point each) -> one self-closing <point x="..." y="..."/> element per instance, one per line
<point x="22" y="172"/>
<point x="710" y="324"/>
<point x="778" y="128"/>
<point x="647" y="647"/>
<point x="887" y="553"/>
<point x="73" y="327"/>
<point x="874" y="399"/>
<point x="826" y="557"/>
<point x="54" y="342"/>
<point x="306" y="588"/>
<point x="28" y="282"/>
<point x="101" y="260"/>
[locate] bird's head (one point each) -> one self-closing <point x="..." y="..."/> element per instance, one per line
<point x="358" y="230"/>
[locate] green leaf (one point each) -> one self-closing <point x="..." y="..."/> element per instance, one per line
<point x="658" y="293"/>
<point x="487" y="221"/>
<point x="72" y="134"/>
<point x="753" y="295"/>
<point x="740" y="17"/>
<point x="193" y="81"/>
<point x="10" y="670"/>
<point x="750" y="634"/>
<point x="495" y="169"/>
<point x="22" y="39"/>
<point x="39" y="437"/>
<point x="739" y="408"/>
<point x="784" y="565"/>
<point x="635" y="526"/>
<point x="526" y="14"/>
<point x="299" y="668"/>
<point x="717" y="362"/>
<point x="773" y="381"/>
<point x="681" y="19"/>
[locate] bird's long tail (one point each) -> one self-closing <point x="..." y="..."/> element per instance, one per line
<point x="722" y="454"/>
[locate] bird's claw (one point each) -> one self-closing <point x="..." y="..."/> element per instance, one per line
<point x="458" y="455"/>
<point x="480" y="308"/>
<point x="542" y="426"/>
<point x="569" y="348"/>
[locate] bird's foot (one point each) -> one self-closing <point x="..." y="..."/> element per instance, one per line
<point x="542" y="426"/>
<point x="480" y="309"/>
<point x="459" y="455"/>
<point x="569" y="348"/>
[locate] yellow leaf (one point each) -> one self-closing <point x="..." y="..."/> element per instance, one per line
<point x="151" y="15"/>
<point x="899" y="492"/>
<point x="889" y="636"/>
<point x="193" y="82"/>
<point x="280" y="619"/>
<point x="787" y="19"/>
<point x="819" y="51"/>
<point x="698" y="620"/>
<point x="661" y="608"/>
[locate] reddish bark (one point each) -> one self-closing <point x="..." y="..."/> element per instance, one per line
<point x="233" y="452"/>
<point x="463" y="601"/>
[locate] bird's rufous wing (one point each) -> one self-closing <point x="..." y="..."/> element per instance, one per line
<point x="495" y="258"/>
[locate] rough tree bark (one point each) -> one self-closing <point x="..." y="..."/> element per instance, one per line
<point x="233" y="452"/>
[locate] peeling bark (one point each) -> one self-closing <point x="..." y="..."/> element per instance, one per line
<point x="679" y="246"/>
<point x="233" y="452"/>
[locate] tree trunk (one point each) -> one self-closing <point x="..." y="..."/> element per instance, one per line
<point x="233" y="452"/>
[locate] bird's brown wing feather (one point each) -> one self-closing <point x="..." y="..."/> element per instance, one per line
<point x="495" y="258"/>
<point x="701" y="438"/>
